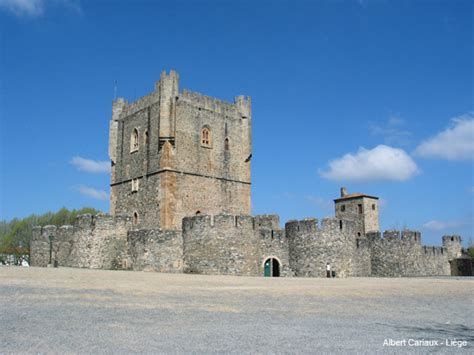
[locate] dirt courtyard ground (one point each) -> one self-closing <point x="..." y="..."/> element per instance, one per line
<point x="95" y="311"/>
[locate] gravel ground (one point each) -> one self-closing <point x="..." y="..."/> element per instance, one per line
<point x="95" y="311"/>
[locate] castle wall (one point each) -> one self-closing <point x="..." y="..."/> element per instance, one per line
<point x="361" y="262"/>
<point x="273" y="244"/>
<point x="222" y="244"/>
<point x="92" y="242"/>
<point x="311" y="247"/>
<point x="233" y="245"/>
<point x="400" y="254"/>
<point x="155" y="250"/>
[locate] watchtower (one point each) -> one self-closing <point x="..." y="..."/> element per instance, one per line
<point x="361" y="208"/>
<point x="177" y="154"/>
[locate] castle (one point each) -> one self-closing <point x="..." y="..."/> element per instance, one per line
<point x="180" y="202"/>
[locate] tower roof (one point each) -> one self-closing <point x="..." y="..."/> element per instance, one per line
<point x="353" y="196"/>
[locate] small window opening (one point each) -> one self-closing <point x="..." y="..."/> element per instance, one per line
<point x="340" y="224"/>
<point x="360" y="208"/>
<point x="134" y="141"/>
<point x="343" y="208"/>
<point x="452" y="239"/>
<point x="373" y="206"/>
<point x="226" y="144"/>
<point x="135" y="218"/>
<point x="198" y="213"/>
<point x="146" y="137"/>
<point x="206" y="136"/>
<point x="358" y="234"/>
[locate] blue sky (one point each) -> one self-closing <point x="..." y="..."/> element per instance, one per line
<point x="376" y="96"/>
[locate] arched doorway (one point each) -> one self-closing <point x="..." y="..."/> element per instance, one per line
<point x="271" y="267"/>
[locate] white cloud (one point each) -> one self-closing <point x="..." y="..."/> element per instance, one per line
<point x="92" y="166"/>
<point x="381" y="163"/>
<point x="454" y="143"/>
<point x="440" y="225"/>
<point x="36" y="8"/>
<point x="93" y="193"/>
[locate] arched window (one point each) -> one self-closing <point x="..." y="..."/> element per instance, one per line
<point x="135" y="218"/>
<point x="206" y="137"/>
<point x="146" y="137"/>
<point x="134" y="140"/>
<point x="226" y="144"/>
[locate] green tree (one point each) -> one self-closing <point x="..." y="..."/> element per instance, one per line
<point x="15" y="235"/>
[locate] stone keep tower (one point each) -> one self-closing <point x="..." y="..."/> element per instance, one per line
<point x="177" y="154"/>
<point x="361" y="208"/>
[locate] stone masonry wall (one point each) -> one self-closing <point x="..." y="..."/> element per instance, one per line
<point x="361" y="263"/>
<point x="272" y="243"/>
<point x="366" y="220"/>
<point x="400" y="254"/>
<point x="92" y="242"/>
<point x="311" y="247"/>
<point x="223" y="244"/>
<point x="453" y="246"/>
<point x="155" y="250"/>
<point x="234" y="245"/>
<point x="177" y="175"/>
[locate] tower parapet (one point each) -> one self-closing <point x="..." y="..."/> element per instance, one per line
<point x="453" y="246"/>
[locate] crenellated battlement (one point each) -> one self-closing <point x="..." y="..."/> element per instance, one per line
<point x="215" y="105"/>
<point x="225" y="221"/>
<point x="433" y="250"/>
<point x="271" y="221"/>
<point x="453" y="246"/>
<point x="311" y="225"/>
<point x="411" y="236"/>
<point x="408" y="236"/>
<point x="452" y="238"/>
<point x="307" y="225"/>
